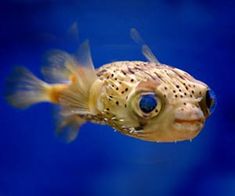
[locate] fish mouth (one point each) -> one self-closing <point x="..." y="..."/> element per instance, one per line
<point x="189" y="121"/>
<point x="188" y="124"/>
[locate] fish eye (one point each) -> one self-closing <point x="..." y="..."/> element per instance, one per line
<point x="148" y="103"/>
<point x="210" y="100"/>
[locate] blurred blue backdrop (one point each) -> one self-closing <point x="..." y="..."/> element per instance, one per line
<point x="195" y="35"/>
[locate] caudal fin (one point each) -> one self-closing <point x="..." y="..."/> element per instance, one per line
<point x="24" y="89"/>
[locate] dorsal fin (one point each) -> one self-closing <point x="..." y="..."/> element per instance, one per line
<point x="73" y="32"/>
<point x="78" y="72"/>
<point x="84" y="60"/>
<point x="55" y="66"/>
<point x="75" y="99"/>
<point x="147" y="52"/>
<point x="60" y="65"/>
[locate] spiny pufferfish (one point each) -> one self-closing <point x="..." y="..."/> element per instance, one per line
<point x="145" y="100"/>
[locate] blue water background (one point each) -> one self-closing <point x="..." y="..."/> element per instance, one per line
<point x="196" y="36"/>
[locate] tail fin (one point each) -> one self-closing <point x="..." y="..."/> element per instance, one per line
<point x="25" y="89"/>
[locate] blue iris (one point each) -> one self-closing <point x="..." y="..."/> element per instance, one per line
<point x="210" y="100"/>
<point x="148" y="103"/>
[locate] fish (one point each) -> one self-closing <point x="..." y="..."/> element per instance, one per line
<point x="146" y="100"/>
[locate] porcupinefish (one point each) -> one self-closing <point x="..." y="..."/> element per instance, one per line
<point x="145" y="100"/>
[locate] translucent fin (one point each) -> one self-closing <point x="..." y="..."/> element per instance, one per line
<point x="145" y="49"/>
<point x="73" y="32"/>
<point x="62" y="67"/>
<point x="56" y="67"/>
<point x="75" y="99"/>
<point x="85" y="60"/>
<point x="24" y="89"/>
<point x="149" y="54"/>
<point x="68" y="128"/>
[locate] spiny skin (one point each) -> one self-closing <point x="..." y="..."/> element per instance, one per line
<point x="113" y="95"/>
<point x="122" y="80"/>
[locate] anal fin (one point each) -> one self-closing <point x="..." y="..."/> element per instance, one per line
<point x="68" y="128"/>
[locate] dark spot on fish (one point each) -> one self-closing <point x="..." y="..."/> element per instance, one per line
<point x="137" y="68"/>
<point x="176" y="96"/>
<point x="156" y="110"/>
<point x="125" y="105"/>
<point x="111" y="96"/>
<point x="123" y="72"/>
<point x="129" y="69"/>
<point x="101" y="72"/>
<point x="117" y="88"/>
<point x="177" y="86"/>
<point x="181" y="77"/>
<point x="184" y="103"/>
<point x="165" y="88"/>
<point x="112" y="75"/>
<point x="139" y="128"/>
<point x="192" y="92"/>
<point x="115" y="78"/>
<point x="123" y="92"/>
<point x="181" y="96"/>
<point x="156" y="74"/>
<point x="200" y="93"/>
<point x="107" y="109"/>
<point x="126" y="89"/>
<point x="174" y="91"/>
<point x="164" y="95"/>
<point x="180" y="90"/>
<point x="132" y="80"/>
<point x="185" y="94"/>
<point x="117" y="103"/>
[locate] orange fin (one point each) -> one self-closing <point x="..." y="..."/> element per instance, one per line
<point x="24" y="89"/>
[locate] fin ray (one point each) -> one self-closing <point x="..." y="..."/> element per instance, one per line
<point x="68" y="127"/>
<point x="146" y="51"/>
<point x="59" y="66"/>
<point x="26" y="89"/>
<point x="75" y="99"/>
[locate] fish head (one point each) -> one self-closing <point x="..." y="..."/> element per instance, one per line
<point x="171" y="109"/>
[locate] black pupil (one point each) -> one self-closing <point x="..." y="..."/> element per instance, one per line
<point x="147" y="103"/>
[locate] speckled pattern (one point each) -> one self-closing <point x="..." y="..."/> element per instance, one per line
<point x="120" y="81"/>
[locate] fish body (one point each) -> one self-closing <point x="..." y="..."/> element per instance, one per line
<point x="178" y="115"/>
<point x="146" y="100"/>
